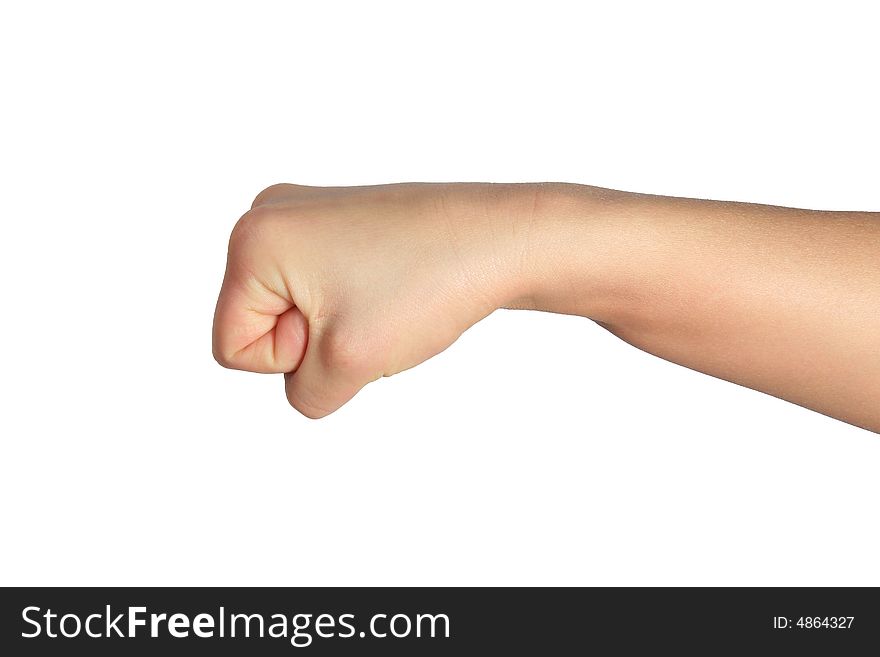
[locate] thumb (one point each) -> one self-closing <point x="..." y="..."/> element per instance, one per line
<point x="269" y="340"/>
<point x="331" y="373"/>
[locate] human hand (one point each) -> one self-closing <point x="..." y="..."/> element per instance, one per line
<point x="338" y="286"/>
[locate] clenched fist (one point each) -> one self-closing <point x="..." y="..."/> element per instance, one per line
<point x="336" y="287"/>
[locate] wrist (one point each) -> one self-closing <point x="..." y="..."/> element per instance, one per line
<point x="572" y="244"/>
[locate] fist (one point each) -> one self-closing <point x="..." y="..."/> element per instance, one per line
<point x="337" y="286"/>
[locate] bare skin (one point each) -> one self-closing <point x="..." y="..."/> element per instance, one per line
<point x="338" y="286"/>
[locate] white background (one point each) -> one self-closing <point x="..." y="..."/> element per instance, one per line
<point x="538" y="449"/>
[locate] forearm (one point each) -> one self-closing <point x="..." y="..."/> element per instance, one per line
<point x="338" y="286"/>
<point x="781" y="300"/>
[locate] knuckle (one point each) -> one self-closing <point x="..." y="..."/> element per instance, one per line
<point x="269" y="194"/>
<point x="252" y="226"/>
<point x="345" y="352"/>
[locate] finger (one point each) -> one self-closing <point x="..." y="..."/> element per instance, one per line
<point x="271" y="340"/>
<point x="326" y="379"/>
